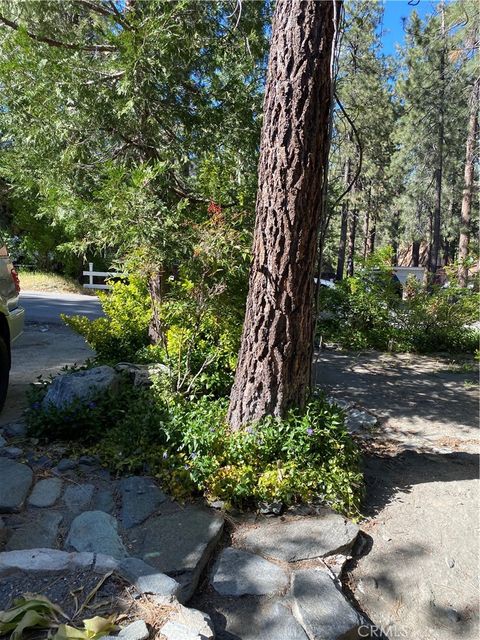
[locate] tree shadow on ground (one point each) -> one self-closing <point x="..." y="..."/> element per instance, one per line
<point x="386" y="477"/>
<point x="407" y="387"/>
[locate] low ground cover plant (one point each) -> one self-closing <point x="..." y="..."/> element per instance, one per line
<point x="307" y="456"/>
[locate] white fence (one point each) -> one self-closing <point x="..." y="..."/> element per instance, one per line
<point x="91" y="274"/>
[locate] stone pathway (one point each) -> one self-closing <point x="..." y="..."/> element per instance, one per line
<point x="279" y="579"/>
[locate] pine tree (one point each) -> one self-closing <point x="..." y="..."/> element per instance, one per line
<point x="274" y="366"/>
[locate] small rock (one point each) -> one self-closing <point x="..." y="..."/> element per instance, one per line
<point x="274" y="508"/>
<point x="35" y="560"/>
<point x="15" y="430"/>
<point x="38" y="533"/>
<point x="197" y="621"/>
<point x="177" y="631"/>
<point x="453" y="615"/>
<point x="217" y="504"/>
<point x="15" y="481"/>
<point x="96" y="531"/>
<point x="11" y="452"/>
<point x="46" y="492"/>
<point x="239" y="573"/>
<point x="3" y="442"/>
<point x="88" y="461"/>
<point x="135" y="631"/>
<point x="77" y="497"/>
<point x="82" y="560"/>
<point x="66" y="465"/>
<point x="80" y="386"/>
<point x="142" y="375"/>
<point x="321" y="607"/>
<point x="359" y="420"/>
<point x="140" y="499"/>
<point x="103" y="501"/>
<point x="343" y="404"/>
<point x="147" y="579"/>
<point x="336" y="563"/>
<point x="42" y="462"/>
<point x="105" y="563"/>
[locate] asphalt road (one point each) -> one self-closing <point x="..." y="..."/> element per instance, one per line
<point x="46" y="308"/>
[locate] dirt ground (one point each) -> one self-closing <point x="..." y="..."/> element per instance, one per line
<point x="418" y="575"/>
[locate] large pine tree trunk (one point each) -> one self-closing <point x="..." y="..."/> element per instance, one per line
<point x="274" y="364"/>
<point x="465" y="215"/>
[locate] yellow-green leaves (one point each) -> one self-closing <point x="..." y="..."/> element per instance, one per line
<point x="93" y="628"/>
<point x="26" y="613"/>
<point x="37" y="611"/>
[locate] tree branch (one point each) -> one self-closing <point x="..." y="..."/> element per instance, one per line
<point x="94" y="48"/>
<point x="114" y="14"/>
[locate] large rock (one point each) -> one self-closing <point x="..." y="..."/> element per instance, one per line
<point x="179" y="544"/>
<point x="322" y="608"/>
<point x="302" y="539"/>
<point x="147" y="579"/>
<point x="80" y="386"/>
<point x="36" y="533"/>
<point x="15" y="481"/>
<point x="96" y="531"/>
<point x="45" y="493"/>
<point x="140" y="499"/>
<point x="239" y="573"/>
<point x="257" y="619"/>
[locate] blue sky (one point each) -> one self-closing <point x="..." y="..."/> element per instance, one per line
<point x="395" y="10"/>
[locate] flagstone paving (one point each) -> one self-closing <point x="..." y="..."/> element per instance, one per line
<point x="64" y="515"/>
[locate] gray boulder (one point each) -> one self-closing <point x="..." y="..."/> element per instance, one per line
<point x="96" y="531"/>
<point x="80" y="386"/>
<point x="321" y="607"/>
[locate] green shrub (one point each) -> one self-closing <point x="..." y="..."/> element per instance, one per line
<point x="308" y="456"/>
<point x="366" y="312"/>
<point x="124" y="329"/>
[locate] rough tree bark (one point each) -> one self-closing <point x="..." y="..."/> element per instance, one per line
<point x="465" y="215"/>
<point x="274" y="365"/>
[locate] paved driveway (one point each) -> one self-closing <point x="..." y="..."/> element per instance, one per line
<point x="47" y="307"/>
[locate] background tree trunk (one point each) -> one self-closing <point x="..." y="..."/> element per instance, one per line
<point x="437" y="211"/>
<point x="343" y="226"/>
<point x="274" y="365"/>
<point x="472" y="135"/>
<point x="351" y="243"/>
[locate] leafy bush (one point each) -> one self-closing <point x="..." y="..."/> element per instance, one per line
<point x="366" y="311"/>
<point x="124" y="331"/>
<point x="308" y="456"/>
